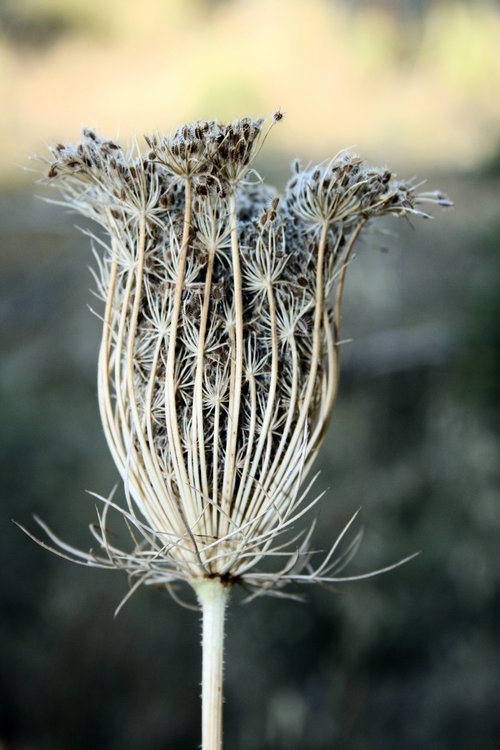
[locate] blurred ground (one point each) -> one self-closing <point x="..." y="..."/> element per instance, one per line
<point x="406" y="661"/>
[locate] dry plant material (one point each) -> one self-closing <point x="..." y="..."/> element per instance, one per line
<point x="219" y="361"/>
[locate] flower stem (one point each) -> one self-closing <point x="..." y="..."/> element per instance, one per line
<point x="213" y="596"/>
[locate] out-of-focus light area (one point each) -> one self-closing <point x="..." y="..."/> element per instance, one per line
<point x="406" y="661"/>
<point x="418" y="80"/>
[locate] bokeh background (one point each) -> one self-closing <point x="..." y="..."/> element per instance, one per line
<point x="408" y="660"/>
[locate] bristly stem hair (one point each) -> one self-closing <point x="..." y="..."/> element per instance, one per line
<point x="219" y="360"/>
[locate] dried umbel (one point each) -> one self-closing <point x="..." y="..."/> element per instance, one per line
<point x="219" y="361"/>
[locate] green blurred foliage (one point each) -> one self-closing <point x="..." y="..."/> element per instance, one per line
<point x="38" y="24"/>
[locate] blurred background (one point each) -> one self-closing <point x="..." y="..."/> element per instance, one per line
<point x="408" y="660"/>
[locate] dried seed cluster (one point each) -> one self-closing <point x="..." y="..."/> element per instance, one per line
<point x="218" y="367"/>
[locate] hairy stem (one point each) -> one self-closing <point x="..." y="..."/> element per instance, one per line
<point x="213" y="596"/>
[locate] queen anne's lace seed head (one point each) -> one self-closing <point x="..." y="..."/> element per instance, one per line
<point x="218" y="365"/>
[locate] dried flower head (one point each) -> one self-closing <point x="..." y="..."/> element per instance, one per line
<point x="219" y="361"/>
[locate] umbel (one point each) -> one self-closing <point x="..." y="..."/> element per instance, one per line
<point x="219" y="360"/>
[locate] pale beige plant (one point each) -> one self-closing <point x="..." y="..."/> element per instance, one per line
<point x="219" y="361"/>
